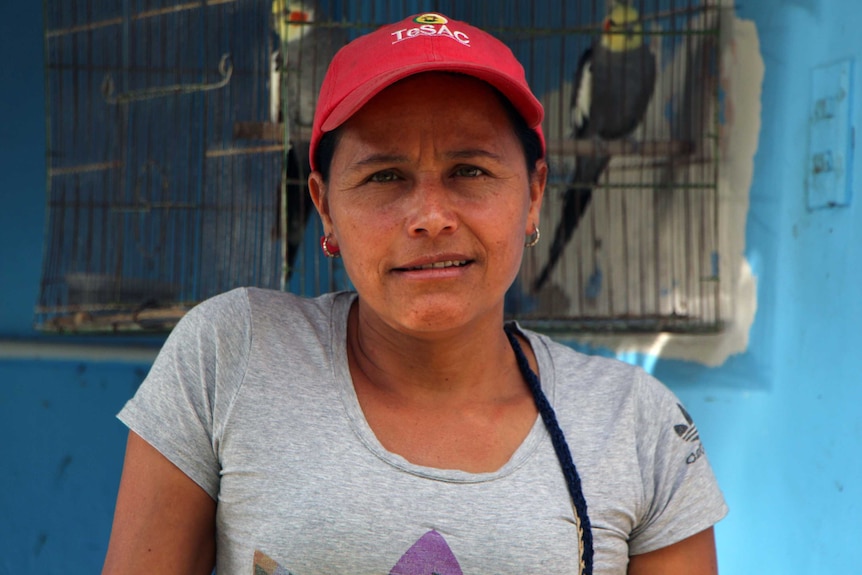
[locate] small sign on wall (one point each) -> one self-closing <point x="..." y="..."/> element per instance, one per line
<point x="831" y="136"/>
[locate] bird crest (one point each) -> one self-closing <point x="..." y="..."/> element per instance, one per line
<point x="622" y="29"/>
<point x="290" y="19"/>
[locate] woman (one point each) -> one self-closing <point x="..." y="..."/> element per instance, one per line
<point x="401" y="428"/>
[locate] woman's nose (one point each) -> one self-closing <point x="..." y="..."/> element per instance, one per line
<point x="432" y="210"/>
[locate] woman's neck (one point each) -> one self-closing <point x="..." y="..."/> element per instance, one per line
<point x="470" y="363"/>
<point x="453" y="401"/>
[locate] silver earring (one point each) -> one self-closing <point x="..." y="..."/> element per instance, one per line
<point x="533" y="238"/>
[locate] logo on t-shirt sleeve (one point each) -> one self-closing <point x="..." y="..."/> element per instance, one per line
<point x="688" y="432"/>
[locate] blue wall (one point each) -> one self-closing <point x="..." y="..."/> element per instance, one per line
<point x="790" y="455"/>
<point x="781" y="422"/>
<point x="60" y="446"/>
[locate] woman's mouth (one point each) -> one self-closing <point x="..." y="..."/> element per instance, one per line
<point x="438" y="265"/>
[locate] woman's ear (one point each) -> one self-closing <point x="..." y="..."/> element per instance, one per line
<point x="538" y="181"/>
<point x="317" y="189"/>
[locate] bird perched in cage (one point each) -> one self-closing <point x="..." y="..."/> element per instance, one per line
<point x="297" y="67"/>
<point x="614" y="83"/>
<point x="300" y="60"/>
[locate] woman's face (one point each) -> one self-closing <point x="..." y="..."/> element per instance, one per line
<point x="429" y="200"/>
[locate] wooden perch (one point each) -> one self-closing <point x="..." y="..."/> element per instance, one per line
<point x="147" y="319"/>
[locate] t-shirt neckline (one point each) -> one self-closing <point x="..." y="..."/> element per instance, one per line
<point x="341" y="375"/>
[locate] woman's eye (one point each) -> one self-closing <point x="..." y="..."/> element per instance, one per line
<point x="469" y="171"/>
<point x="383" y="177"/>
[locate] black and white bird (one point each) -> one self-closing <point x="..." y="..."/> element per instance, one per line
<point x="614" y="83"/>
<point x="297" y="67"/>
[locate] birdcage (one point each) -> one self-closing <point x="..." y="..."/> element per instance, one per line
<point x="177" y="159"/>
<point x="642" y="252"/>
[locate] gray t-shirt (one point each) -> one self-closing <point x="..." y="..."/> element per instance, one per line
<point x="251" y="397"/>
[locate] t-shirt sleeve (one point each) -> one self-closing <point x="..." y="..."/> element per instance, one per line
<point x="681" y="493"/>
<point x="181" y="406"/>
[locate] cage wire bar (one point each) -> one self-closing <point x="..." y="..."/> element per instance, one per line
<point x="176" y="168"/>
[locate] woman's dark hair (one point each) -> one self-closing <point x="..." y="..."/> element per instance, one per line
<point x="325" y="151"/>
<point x="530" y="141"/>
<point x="529" y="138"/>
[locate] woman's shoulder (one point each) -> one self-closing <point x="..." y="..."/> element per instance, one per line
<point x="262" y="303"/>
<point x="567" y="359"/>
<point x="242" y="315"/>
<point x="575" y="373"/>
<point x="285" y="310"/>
<point x="593" y="390"/>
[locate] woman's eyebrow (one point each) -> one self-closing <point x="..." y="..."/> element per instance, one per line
<point x="381" y="158"/>
<point x="473" y="153"/>
<point x="390" y="158"/>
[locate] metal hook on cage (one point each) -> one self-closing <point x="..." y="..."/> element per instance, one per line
<point x="225" y="69"/>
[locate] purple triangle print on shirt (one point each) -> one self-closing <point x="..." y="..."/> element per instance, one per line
<point x="428" y="556"/>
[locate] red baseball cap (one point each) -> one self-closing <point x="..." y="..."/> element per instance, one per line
<point x="421" y="43"/>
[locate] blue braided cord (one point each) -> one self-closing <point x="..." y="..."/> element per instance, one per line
<point x="564" y="455"/>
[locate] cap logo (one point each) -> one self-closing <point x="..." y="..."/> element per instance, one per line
<point x="431" y="25"/>
<point x="430" y="19"/>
